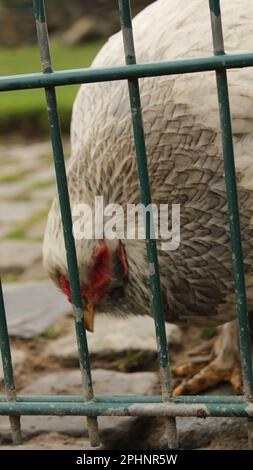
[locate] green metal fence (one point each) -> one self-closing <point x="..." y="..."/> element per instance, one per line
<point x="166" y="405"/>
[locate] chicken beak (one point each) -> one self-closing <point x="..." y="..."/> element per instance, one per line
<point x="89" y="317"/>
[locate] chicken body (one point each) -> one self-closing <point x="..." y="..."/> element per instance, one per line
<point x="182" y="131"/>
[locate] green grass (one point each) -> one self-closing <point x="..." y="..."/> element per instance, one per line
<point x="9" y="278"/>
<point x="209" y="332"/>
<point x="40" y="184"/>
<point x="52" y="332"/>
<point x="25" y="110"/>
<point x="19" y="234"/>
<point x="12" y="178"/>
<point x="130" y="361"/>
<point x="20" y="231"/>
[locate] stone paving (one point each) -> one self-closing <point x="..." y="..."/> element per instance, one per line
<point x="26" y="189"/>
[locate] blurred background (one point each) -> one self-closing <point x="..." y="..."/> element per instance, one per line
<point x="77" y="30"/>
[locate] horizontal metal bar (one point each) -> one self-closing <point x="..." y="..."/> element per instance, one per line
<point x="230" y="399"/>
<point x="152" y="69"/>
<point x="94" y="408"/>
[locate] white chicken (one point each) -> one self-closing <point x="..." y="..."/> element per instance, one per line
<point x="182" y="130"/>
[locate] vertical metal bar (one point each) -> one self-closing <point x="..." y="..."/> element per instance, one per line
<point x="234" y="218"/>
<point x="141" y="158"/>
<point x="8" y="370"/>
<point x="42" y="32"/>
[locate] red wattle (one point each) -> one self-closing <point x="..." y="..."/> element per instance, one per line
<point x="100" y="274"/>
<point x="64" y="285"/>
